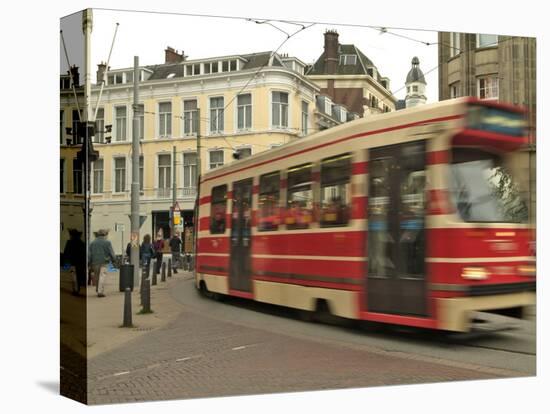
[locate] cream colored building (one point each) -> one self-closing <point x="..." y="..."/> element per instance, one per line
<point x="247" y="103"/>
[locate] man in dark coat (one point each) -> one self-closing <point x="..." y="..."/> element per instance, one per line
<point x="175" y="248"/>
<point x="74" y="254"/>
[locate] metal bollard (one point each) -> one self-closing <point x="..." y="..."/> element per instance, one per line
<point x="169" y="267"/>
<point x="127" y="321"/>
<point x="146" y="306"/>
<point x="144" y="275"/>
<point x="154" y="282"/>
<point x="163" y="274"/>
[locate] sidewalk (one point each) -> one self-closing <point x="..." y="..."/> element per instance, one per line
<point x="105" y="315"/>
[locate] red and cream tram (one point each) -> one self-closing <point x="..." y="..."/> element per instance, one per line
<point x="410" y="218"/>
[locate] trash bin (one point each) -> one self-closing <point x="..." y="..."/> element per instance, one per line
<point x="126" y="277"/>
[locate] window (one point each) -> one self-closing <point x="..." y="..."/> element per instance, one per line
<point x="62" y="176"/>
<point x="487" y="87"/>
<point x="140" y="113"/>
<point x="305" y="117"/>
<point x="454" y="46"/>
<point x="211" y="67"/>
<point x="165" y="175"/>
<point x="189" y="169"/>
<point x="193" y="69"/>
<point x="279" y="109"/>
<point x="120" y="121"/>
<point x="348" y="59"/>
<point x="216" y="115"/>
<point x="216" y="159"/>
<point x="415" y="88"/>
<point x="225" y="66"/>
<point x="454" y="91"/>
<point x="218" y="207"/>
<point x="335" y="190"/>
<point x="483" y="190"/>
<point x="408" y="89"/>
<point x="141" y="173"/>
<point x="300" y="197"/>
<point x="165" y="119"/>
<point x="77" y="177"/>
<point x="244" y="152"/>
<point x="244" y="111"/>
<point x="120" y="175"/>
<point x="189" y="117"/>
<point x="485" y="40"/>
<point x="268" y="202"/>
<point x="74" y="131"/>
<point x="100" y="126"/>
<point x="114" y="79"/>
<point x="61" y="126"/>
<point x="232" y="65"/>
<point x="97" y="167"/>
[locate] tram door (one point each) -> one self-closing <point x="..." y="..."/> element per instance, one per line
<point x="396" y="237"/>
<point x="239" y="276"/>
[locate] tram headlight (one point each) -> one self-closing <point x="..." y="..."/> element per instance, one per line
<point x="475" y="273"/>
<point x="527" y="270"/>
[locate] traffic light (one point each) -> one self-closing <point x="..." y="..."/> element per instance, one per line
<point x="85" y="132"/>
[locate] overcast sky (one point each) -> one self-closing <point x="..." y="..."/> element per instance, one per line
<point x="147" y="35"/>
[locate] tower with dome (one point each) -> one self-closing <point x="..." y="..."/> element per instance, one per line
<point x="416" y="85"/>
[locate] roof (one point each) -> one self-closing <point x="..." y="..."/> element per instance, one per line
<point x="360" y="67"/>
<point x="415" y="74"/>
<point x="253" y="60"/>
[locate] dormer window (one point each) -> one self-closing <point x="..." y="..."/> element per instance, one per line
<point x="348" y="59"/>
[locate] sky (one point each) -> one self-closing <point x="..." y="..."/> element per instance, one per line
<point x="148" y="34"/>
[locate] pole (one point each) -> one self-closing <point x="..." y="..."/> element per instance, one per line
<point x="87" y="22"/>
<point x="174" y="189"/>
<point x="134" y="207"/>
<point x="196" y="212"/>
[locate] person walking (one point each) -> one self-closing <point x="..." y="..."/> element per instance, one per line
<point x="74" y="254"/>
<point x="175" y="248"/>
<point x="158" y="246"/>
<point x="101" y="253"/>
<point x="146" y="251"/>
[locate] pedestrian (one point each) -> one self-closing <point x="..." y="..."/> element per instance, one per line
<point x="101" y="254"/>
<point x="175" y="248"/>
<point x="158" y="246"/>
<point x="146" y="251"/>
<point x="74" y="254"/>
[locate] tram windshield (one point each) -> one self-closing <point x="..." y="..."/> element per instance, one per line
<point x="483" y="190"/>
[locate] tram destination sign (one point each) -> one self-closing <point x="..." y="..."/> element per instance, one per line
<point x="496" y="120"/>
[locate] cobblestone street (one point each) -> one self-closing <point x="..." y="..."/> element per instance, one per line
<point x="196" y="356"/>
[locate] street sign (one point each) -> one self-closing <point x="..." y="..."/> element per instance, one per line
<point x="119" y="227"/>
<point x="142" y="219"/>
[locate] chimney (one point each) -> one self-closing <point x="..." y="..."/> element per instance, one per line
<point x="331" y="51"/>
<point x="172" y="56"/>
<point x="100" y="72"/>
<point x="75" y="75"/>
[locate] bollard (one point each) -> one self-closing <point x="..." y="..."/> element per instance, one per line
<point x="169" y="267"/>
<point x="163" y="274"/>
<point x="154" y="276"/>
<point x="146" y="306"/>
<point x="127" y="321"/>
<point x="144" y="275"/>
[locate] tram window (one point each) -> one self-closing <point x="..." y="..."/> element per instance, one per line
<point x="299" y="212"/>
<point x="217" y="210"/>
<point x="411" y="222"/>
<point x="268" y="202"/>
<point x="335" y="190"/>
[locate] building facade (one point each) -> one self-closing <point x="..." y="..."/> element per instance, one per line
<point x="243" y="103"/>
<point x="495" y="67"/>
<point x="350" y="78"/>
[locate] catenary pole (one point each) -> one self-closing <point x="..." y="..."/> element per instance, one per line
<point x="87" y="22"/>
<point x="174" y="189"/>
<point x="134" y="207"/>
